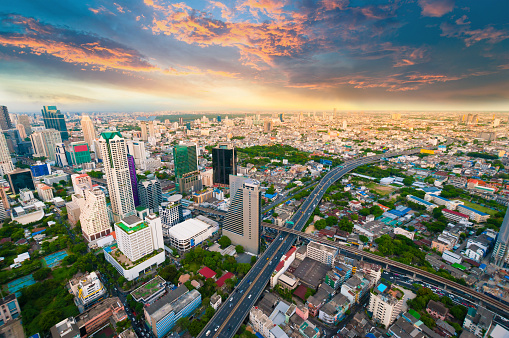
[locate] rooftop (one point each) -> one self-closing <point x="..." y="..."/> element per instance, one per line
<point x="149" y="288"/>
<point x="187" y="229"/>
<point x="132" y="224"/>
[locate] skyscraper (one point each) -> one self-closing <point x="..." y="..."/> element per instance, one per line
<point x="25" y="121"/>
<point x="114" y="152"/>
<point x="5" y="119"/>
<point x="6" y="165"/>
<point x="21" y="130"/>
<point x="94" y="218"/>
<point x="224" y="163"/>
<point x="242" y="221"/>
<point x="151" y="130"/>
<point x="45" y="142"/>
<point x="88" y="130"/>
<point x="185" y="159"/>
<point x="134" y="179"/>
<point x="150" y="194"/>
<point x="54" y="119"/>
<point x="500" y="256"/>
<point x="267" y="126"/>
<point x="137" y="150"/>
<point x="144" y="134"/>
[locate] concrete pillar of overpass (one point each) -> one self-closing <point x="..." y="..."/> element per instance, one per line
<point x="362" y="258"/>
<point x="445" y="286"/>
<point x="413" y="275"/>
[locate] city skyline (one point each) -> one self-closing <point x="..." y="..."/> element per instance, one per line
<point x="260" y="55"/>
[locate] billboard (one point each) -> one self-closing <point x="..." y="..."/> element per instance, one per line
<point x="426" y="151"/>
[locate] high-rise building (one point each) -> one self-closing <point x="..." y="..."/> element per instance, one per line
<point x="5" y="119"/>
<point x="267" y="126"/>
<point x="185" y="159"/>
<point x="3" y="197"/>
<point x="21" y="130"/>
<point x="45" y="143"/>
<point x="114" y="152"/>
<point x="25" y="121"/>
<point x="224" y="163"/>
<point x="61" y="155"/>
<point x="21" y="179"/>
<point x="137" y="150"/>
<point x="134" y="179"/>
<point x="144" y="134"/>
<point x="385" y="304"/>
<point x="53" y="119"/>
<point x="150" y="194"/>
<point x="137" y="238"/>
<point x="13" y="140"/>
<point x="500" y="255"/>
<point x="6" y="165"/>
<point x="242" y="221"/>
<point x="88" y="130"/>
<point x="181" y="121"/>
<point x="94" y="219"/>
<point x="81" y="183"/>
<point x="151" y="130"/>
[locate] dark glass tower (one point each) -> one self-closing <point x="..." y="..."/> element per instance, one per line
<point x="224" y="163"/>
<point x="134" y="179"/>
<point x="54" y="119"/>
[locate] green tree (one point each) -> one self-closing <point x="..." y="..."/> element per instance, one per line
<point x="363" y="239"/>
<point x="239" y="249"/>
<point x="41" y="274"/>
<point x="408" y="181"/>
<point x="224" y="242"/>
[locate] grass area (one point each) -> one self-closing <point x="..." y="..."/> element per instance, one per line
<point x="193" y="267"/>
<point x="380" y="189"/>
<point x="480" y="208"/>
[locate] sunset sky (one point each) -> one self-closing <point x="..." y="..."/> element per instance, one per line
<point x="158" y="55"/>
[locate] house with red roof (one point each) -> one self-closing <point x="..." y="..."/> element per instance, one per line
<point x="220" y="282"/>
<point x="207" y="272"/>
<point x="283" y="265"/>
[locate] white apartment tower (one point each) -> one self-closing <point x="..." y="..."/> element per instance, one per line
<point x="137" y="238"/>
<point x="94" y="218"/>
<point x="88" y="130"/>
<point x="114" y="152"/>
<point x="6" y="165"/>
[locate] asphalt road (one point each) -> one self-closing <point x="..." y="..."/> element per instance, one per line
<point x="232" y="313"/>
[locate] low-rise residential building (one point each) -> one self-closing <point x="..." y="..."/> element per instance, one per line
<point x="87" y="289"/>
<point x="437" y="199"/>
<point x="282" y="266"/>
<point x="67" y="328"/>
<point x="455" y="216"/>
<point x="437" y="310"/>
<point x="215" y="301"/>
<point x="322" y="253"/>
<point x="478" y="321"/>
<point x="110" y="310"/>
<point x="473" y="214"/>
<point x="429" y="206"/>
<point x="451" y="257"/>
<point x="406" y="233"/>
<point x="335" y="310"/>
<point x="355" y="287"/>
<point x="385" y="304"/>
<point x="149" y="292"/>
<point x="9" y="309"/>
<point x="163" y="314"/>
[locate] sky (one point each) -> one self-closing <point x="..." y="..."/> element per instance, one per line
<point x="254" y="55"/>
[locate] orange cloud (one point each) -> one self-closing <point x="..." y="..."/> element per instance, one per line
<point x="436" y="8"/>
<point x="258" y="43"/>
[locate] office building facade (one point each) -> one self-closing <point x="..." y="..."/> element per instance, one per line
<point x="79" y="153"/>
<point x="5" y="119"/>
<point x="385" y="304"/>
<point x="25" y="121"/>
<point x="242" y="221"/>
<point x="224" y="163"/>
<point x="54" y="119"/>
<point x="150" y="194"/>
<point x="137" y="238"/>
<point x="114" y="152"/>
<point x="21" y="179"/>
<point x="134" y="179"/>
